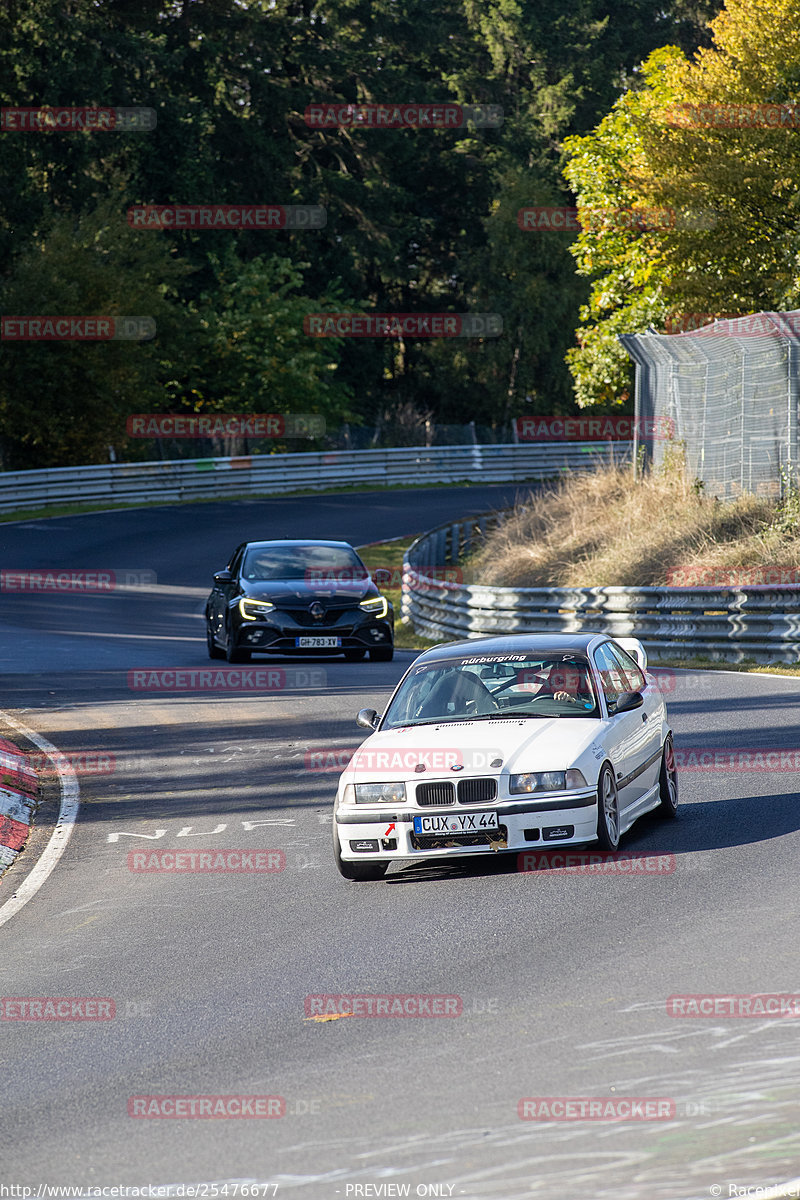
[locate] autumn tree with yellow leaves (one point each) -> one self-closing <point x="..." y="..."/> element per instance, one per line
<point x="690" y="193"/>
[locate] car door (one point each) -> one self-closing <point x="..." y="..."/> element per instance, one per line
<point x="628" y="740"/>
<point x="652" y="713"/>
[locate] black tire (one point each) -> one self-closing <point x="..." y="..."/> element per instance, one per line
<point x="354" y="655"/>
<point x="234" y="653"/>
<point x="365" y="872"/>
<point x="382" y="654"/>
<point x="668" y="781"/>
<point x="214" y="650"/>
<point x="607" y="809"/>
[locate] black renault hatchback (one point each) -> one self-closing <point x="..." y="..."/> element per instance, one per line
<point x="298" y="598"/>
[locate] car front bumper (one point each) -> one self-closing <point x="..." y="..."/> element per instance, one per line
<point x="386" y="832"/>
<point x="278" y="634"/>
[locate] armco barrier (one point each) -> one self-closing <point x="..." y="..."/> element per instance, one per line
<point x="271" y="474"/>
<point x="18" y="786"/>
<point x="731" y="624"/>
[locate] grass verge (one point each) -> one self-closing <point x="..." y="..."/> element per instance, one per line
<point x="390" y="556"/>
<point x="602" y="529"/>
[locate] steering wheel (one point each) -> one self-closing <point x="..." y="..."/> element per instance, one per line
<point x="538" y="677"/>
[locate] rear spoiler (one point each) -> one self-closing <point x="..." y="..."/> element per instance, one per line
<point x="635" y="649"/>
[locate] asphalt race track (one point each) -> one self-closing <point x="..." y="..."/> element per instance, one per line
<point x="562" y="980"/>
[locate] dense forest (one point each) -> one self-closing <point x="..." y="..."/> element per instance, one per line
<point x="418" y="220"/>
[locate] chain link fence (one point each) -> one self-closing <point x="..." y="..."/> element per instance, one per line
<point x="729" y="392"/>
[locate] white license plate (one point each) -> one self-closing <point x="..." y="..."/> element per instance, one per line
<point x="456" y="823"/>
<point x="317" y="643"/>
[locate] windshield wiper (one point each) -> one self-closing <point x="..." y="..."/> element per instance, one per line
<point x="485" y="717"/>
<point x="512" y="716"/>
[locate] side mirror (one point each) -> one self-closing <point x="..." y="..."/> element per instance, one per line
<point x="627" y="702"/>
<point x="367" y="718"/>
<point x="223" y="576"/>
<point x="382" y="577"/>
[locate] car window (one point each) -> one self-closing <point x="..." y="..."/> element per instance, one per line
<point x="312" y="564"/>
<point x="630" y="671"/>
<point x="612" y="676"/>
<point x="487" y="686"/>
<point x="236" y="560"/>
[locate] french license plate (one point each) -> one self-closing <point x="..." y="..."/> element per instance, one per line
<point x="456" y="823"/>
<point x="317" y="643"/>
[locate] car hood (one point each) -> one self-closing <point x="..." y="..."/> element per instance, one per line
<point x="480" y="747"/>
<point x="295" y="592"/>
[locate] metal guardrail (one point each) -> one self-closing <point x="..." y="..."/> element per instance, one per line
<point x="271" y="474"/>
<point x="730" y="624"/>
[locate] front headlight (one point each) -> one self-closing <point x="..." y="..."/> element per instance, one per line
<point x="376" y="606"/>
<point x="546" y="781"/>
<point x="251" y="609"/>
<point x="377" y="793"/>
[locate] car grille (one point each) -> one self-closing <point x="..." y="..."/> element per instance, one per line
<point x="442" y="841"/>
<point x="436" y="793"/>
<point x="304" y="618"/>
<point x="476" y="791"/>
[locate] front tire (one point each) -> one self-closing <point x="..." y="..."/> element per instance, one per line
<point x="234" y="653"/>
<point x="382" y="654"/>
<point x="607" y="810"/>
<point x="668" y="781"/>
<point x="354" y="655"/>
<point x="214" y="650"/>
<point x="356" y="872"/>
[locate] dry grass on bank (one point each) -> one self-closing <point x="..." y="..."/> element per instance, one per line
<point x="602" y="529"/>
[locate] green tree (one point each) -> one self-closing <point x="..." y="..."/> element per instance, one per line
<point x="66" y="402"/>
<point x="729" y="191"/>
<point x="255" y="355"/>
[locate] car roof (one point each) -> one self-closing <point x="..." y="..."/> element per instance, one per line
<point x="298" y="542"/>
<point x="518" y="643"/>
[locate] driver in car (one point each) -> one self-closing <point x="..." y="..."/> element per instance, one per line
<point x="568" y="683"/>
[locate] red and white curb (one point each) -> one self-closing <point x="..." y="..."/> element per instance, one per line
<point x="18" y="791"/>
<point x="47" y="861"/>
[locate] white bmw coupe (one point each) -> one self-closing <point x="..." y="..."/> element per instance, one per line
<point x="507" y="743"/>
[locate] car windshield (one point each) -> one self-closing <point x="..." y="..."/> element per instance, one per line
<point x="491" y="687"/>
<point x="313" y="564"/>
